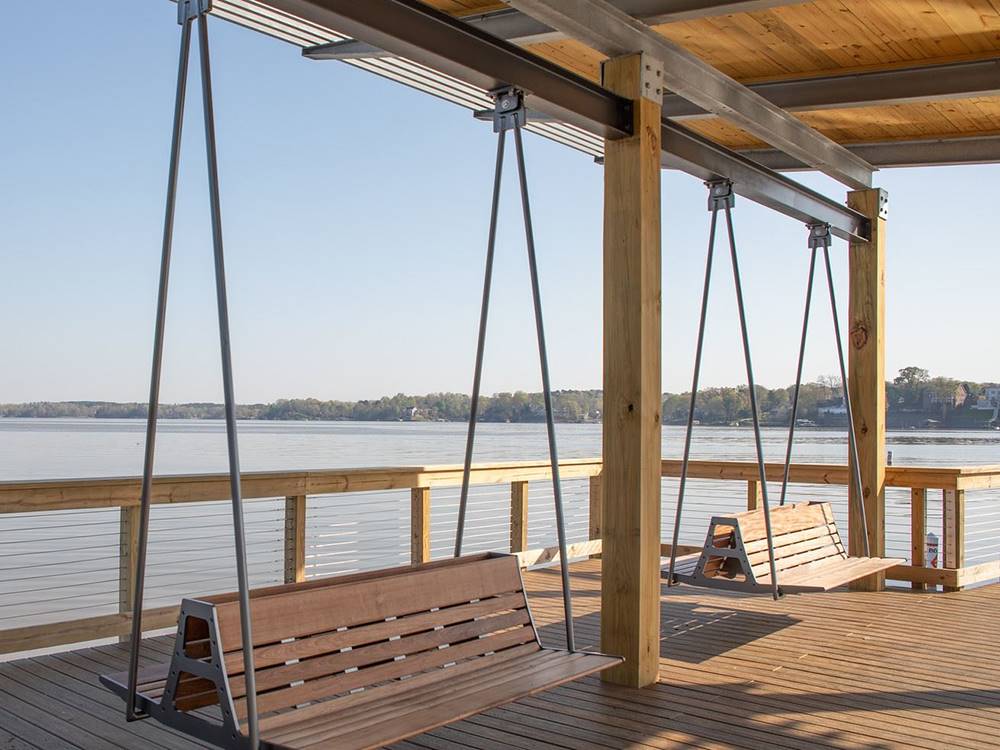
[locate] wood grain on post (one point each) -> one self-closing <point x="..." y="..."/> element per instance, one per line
<point x="630" y="594"/>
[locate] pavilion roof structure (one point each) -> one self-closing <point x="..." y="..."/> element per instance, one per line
<point x="899" y="82"/>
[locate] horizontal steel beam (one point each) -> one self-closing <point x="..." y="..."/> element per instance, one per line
<point x="950" y="81"/>
<point x="697" y="155"/>
<point x="611" y="32"/>
<point x="415" y="31"/>
<point x="912" y="153"/>
<point x="516" y="27"/>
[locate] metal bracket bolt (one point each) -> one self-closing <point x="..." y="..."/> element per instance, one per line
<point x="652" y="78"/>
<point x="188" y="10"/>
<point x="720" y="195"/>
<point x="819" y="236"/>
<point x="509" y="111"/>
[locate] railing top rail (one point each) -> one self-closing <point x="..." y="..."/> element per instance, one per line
<point x="118" y="492"/>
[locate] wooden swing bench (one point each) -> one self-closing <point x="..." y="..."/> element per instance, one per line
<point x="808" y="553"/>
<point x="358" y="661"/>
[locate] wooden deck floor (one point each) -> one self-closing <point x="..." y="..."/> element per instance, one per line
<point x="843" y="670"/>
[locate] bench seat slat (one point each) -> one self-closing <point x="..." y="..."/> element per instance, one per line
<point x="430" y="708"/>
<point x="365" y="656"/>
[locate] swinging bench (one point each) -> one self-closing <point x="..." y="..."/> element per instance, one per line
<point x="793" y="548"/>
<point x="354" y="661"/>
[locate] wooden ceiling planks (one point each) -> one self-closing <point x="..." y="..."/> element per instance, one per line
<point x="953" y="118"/>
<point x="828" y="37"/>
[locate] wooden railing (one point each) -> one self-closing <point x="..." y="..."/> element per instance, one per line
<point x="300" y="487"/>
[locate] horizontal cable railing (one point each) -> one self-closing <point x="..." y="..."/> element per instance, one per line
<point x="67" y="546"/>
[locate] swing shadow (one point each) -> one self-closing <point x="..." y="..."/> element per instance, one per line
<point x="690" y="631"/>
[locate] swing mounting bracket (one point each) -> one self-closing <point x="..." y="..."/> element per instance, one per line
<point x="188" y="10"/>
<point x="509" y="111"/>
<point x="820" y="236"/>
<point x="720" y="195"/>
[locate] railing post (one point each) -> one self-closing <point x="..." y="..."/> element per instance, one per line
<point x="518" y="516"/>
<point x="420" y="525"/>
<point x="918" y="531"/>
<point x="954" y="532"/>
<point x="128" y="548"/>
<point x="295" y="539"/>
<point x="753" y="494"/>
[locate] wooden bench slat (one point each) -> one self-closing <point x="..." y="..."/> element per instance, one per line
<point x="365" y="656"/>
<point x="451" y="707"/>
<point x="785" y="519"/>
<point x="399" y="697"/>
<point x="302" y="613"/>
<point x="328" y="686"/>
<point x="757" y="548"/>
<point x="325" y="643"/>
<point x="364" y="697"/>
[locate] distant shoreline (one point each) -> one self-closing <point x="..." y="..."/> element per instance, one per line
<point x="936" y="403"/>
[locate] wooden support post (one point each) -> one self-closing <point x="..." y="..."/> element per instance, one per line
<point x="630" y="590"/>
<point x="596" y="511"/>
<point x="295" y="539"/>
<point x="866" y="378"/>
<point x="918" y="532"/>
<point x="596" y="507"/>
<point x="518" y="516"/>
<point x="754" y="494"/>
<point x="420" y="525"/>
<point x="954" y="532"/>
<point x="128" y="549"/>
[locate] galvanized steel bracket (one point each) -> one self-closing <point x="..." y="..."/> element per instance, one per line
<point x="188" y="10"/>
<point x="720" y="195"/>
<point x="509" y="111"/>
<point x="820" y="236"/>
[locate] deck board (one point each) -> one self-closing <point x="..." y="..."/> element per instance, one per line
<point x="843" y="669"/>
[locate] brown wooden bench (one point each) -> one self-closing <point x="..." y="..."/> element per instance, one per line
<point x="358" y="661"/>
<point x="808" y="552"/>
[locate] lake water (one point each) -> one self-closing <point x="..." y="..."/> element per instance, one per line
<point x="63" y="565"/>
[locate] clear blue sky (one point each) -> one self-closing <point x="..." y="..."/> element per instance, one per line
<point x="355" y="215"/>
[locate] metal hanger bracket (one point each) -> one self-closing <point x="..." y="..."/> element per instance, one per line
<point x="509" y="111"/>
<point x="720" y="195"/>
<point x="188" y="10"/>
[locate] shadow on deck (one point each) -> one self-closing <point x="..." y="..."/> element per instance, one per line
<point x="843" y="670"/>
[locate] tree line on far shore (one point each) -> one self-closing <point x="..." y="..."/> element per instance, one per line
<point x="913" y="392"/>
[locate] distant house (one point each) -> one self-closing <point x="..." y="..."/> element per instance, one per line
<point x="953" y="398"/>
<point x="988" y="399"/>
<point x="833" y="408"/>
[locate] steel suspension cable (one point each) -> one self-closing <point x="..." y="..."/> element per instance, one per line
<point x="543" y="359"/>
<point x="851" y="433"/>
<point x="699" y="348"/>
<point x="761" y="467"/>
<point x="225" y="346"/>
<point x="477" y="378"/>
<point x="509" y="116"/>
<point x="190" y="13"/>
<point x="798" y="376"/>
<point x="131" y="710"/>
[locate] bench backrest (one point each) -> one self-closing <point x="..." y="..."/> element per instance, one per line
<point x="328" y="637"/>
<point x="802" y="533"/>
